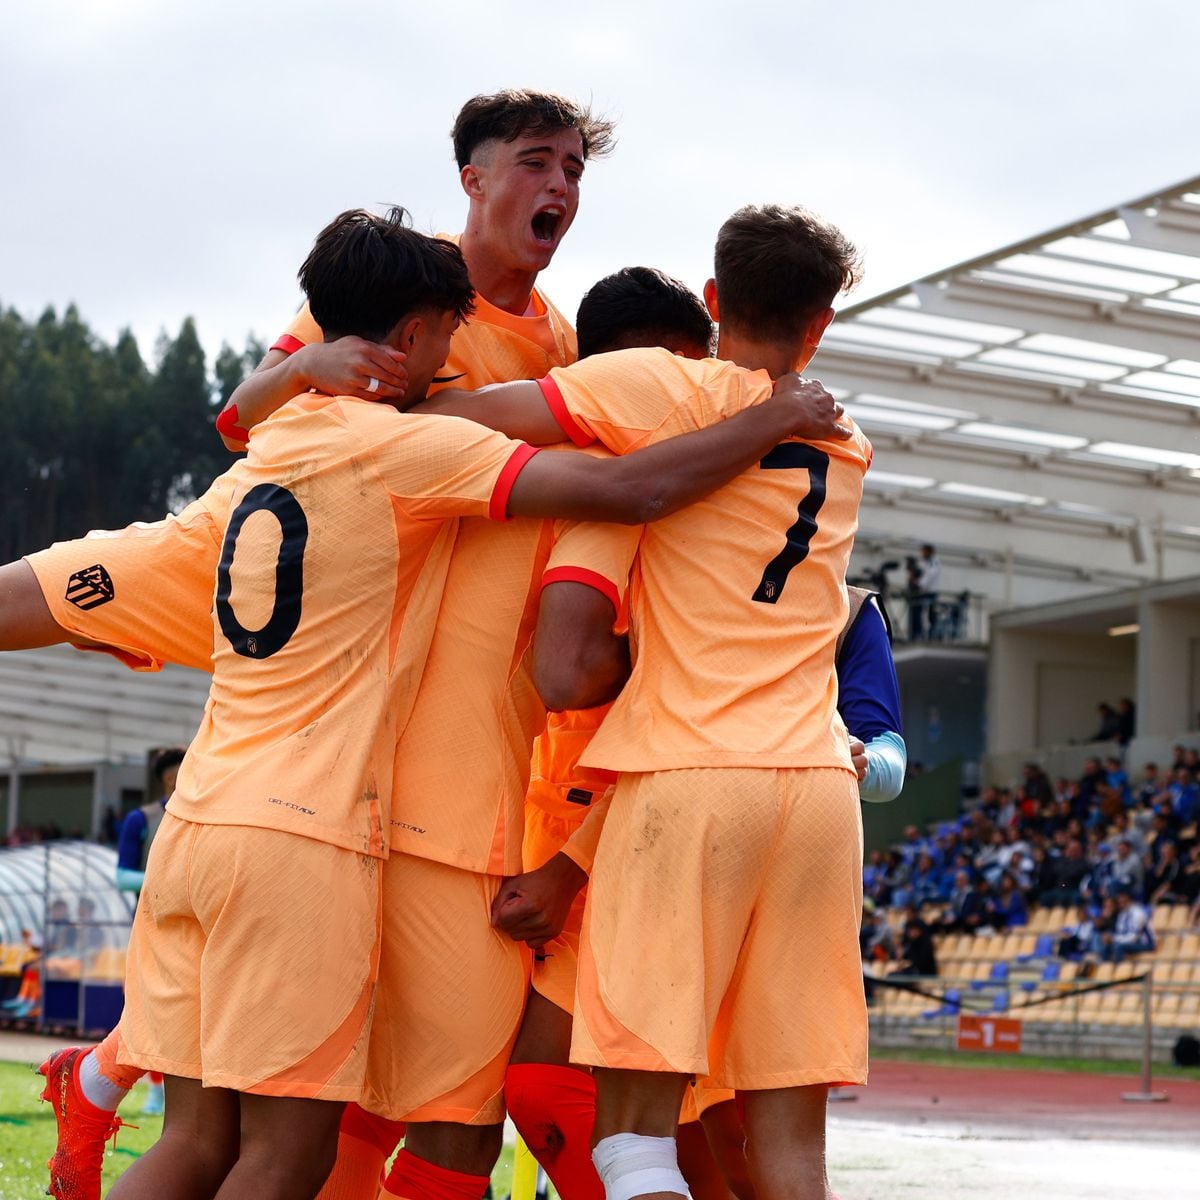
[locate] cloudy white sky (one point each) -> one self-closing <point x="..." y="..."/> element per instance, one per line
<point x="159" y="160"/>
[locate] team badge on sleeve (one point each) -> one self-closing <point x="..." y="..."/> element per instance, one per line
<point x="90" y="587"/>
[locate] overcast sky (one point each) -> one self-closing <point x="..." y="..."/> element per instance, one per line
<point x="159" y="160"/>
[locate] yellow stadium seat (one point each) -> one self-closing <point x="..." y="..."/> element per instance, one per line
<point x="1170" y="917"/>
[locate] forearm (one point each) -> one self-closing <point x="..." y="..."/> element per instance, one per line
<point x="268" y="389"/>
<point x="580" y="847"/>
<point x="518" y="410"/>
<point x="671" y="474"/>
<point x="887" y="759"/>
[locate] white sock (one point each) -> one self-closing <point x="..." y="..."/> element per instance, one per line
<point x="98" y="1089"/>
<point x="631" y="1165"/>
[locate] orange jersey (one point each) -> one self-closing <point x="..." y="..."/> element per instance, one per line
<point x="328" y="586"/>
<point x="462" y="764"/>
<point x="145" y="591"/>
<point x="736" y="602"/>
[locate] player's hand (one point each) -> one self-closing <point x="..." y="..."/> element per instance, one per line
<point x="352" y="366"/>
<point x="858" y="756"/>
<point x="817" y="412"/>
<point x="533" y="907"/>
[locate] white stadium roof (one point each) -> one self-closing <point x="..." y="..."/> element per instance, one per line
<point x="60" y="706"/>
<point x="1037" y="410"/>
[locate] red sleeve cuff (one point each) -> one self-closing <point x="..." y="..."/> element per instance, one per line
<point x="498" y="505"/>
<point x="594" y="579"/>
<point x="558" y="406"/>
<point x="227" y="425"/>
<point x="288" y="344"/>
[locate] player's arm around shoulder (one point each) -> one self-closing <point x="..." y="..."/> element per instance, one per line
<point x="349" y="366"/>
<point x="651" y="483"/>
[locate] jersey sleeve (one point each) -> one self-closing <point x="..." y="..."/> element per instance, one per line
<point x="303" y="331"/>
<point x="632" y="398"/>
<point x="580" y="847"/>
<point x="868" y="691"/>
<point x="144" y="593"/>
<point x="598" y="555"/>
<point x="445" y="467"/>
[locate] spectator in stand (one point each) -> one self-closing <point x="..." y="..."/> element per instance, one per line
<point x="875" y="938"/>
<point x="873" y="873"/>
<point x="1085" y="937"/>
<point x="1191" y="761"/>
<point x="1180" y="798"/>
<point x="1110" y="724"/>
<point x="894" y="882"/>
<point x="1088" y="795"/>
<point x="1116" y="780"/>
<point x="1126" y="873"/>
<point x="1177" y="759"/>
<point x="965" y="908"/>
<point x="1008" y="908"/>
<point x="1036" y="783"/>
<point x="913" y="845"/>
<point x="926" y="882"/>
<point x="1164" y="884"/>
<point x="1150" y="785"/>
<point x="1126" y="720"/>
<point x="1069" y="874"/>
<point x="916" y="947"/>
<point x="1043" y="877"/>
<point x="924" y="579"/>
<point x="1131" y="932"/>
<point x="1123" y="828"/>
<point x="990" y="863"/>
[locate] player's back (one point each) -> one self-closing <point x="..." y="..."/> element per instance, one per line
<point x="736" y="602"/>
<point x="327" y="591"/>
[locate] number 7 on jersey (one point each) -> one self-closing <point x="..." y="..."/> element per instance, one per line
<point x="786" y="457"/>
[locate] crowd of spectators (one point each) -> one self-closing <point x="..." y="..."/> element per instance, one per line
<point x="1108" y="845"/>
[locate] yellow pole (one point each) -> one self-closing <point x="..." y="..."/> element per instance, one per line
<point x="525" y="1169"/>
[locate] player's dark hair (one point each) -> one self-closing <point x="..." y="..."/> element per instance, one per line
<point x="365" y="273"/>
<point x="519" y="112"/>
<point x="640" y="306"/>
<point x="164" y="760"/>
<point x="777" y="267"/>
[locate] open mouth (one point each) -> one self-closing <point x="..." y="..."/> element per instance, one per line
<point x="545" y="225"/>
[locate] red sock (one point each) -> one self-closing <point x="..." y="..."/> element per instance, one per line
<point x="365" y="1143"/>
<point x="156" y="1077"/>
<point x="415" y="1179"/>
<point x="554" y="1109"/>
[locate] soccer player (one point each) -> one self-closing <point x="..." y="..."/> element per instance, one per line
<point x="732" y="850"/>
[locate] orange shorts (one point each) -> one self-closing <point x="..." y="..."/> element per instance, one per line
<point x="452" y="993"/>
<point x="721" y="931"/>
<point x="547" y="830"/>
<point x="253" y="961"/>
<point x="699" y="1097"/>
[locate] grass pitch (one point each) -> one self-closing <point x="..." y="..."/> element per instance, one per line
<point x="28" y="1133"/>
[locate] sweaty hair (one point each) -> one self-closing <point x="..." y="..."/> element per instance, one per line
<point x="164" y="760"/>
<point x="639" y="306"/>
<point x="777" y="267"/>
<point x="518" y="112"/>
<point x="366" y="272"/>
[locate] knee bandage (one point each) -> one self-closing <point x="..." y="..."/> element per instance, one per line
<point x="630" y="1165"/>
